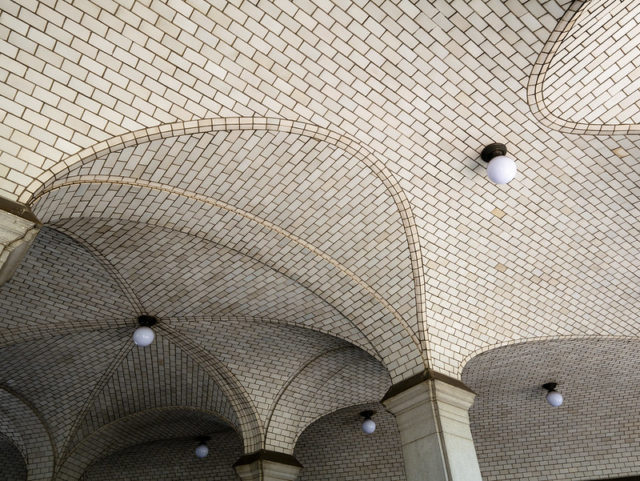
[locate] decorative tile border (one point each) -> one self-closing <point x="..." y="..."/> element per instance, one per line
<point x="535" y="88"/>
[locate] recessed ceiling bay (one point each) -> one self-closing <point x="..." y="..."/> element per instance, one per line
<point x="257" y="251"/>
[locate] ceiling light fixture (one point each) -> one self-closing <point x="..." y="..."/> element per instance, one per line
<point x="501" y="169"/>
<point x="368" y="426"/>
<point x="202" y="451"/>
<point x="553" y="397"/>
<point x="144" y="335"/>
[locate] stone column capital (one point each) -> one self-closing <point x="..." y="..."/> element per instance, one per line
<point x="18" y="229"/>
<point x="266" y="465"/>
<point x="428" y="386"/>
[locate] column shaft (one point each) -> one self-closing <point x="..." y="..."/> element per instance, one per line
<point x="433" y="421"/>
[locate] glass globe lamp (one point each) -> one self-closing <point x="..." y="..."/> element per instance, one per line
<point x="144" y="335"/>
<point x="202" y="451"/>
<point x="368" y="426"/>
<point x="554" y="398"/>
<point x="501" y="169"/>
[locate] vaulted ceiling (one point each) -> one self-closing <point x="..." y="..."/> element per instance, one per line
<point x="294" y="189"/>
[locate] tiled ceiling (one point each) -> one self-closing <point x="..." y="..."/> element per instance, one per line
<point x="27" y="431"/>
<point x="587" y="77"/>
<point x="137" y="429"/>
<point x="158" y="458"/>
<point x="59" y="378"/>
<point x="12" y="460"/>
<point x="159" y="377"/>
<point x="295" y="190"/>
<point x="593" y="435"/>
<point x="84" y="375"/>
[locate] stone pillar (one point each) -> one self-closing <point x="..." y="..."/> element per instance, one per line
<point x="267" y="466"/>
<point x="432" y="415"/>
<point x="18" y="229"/>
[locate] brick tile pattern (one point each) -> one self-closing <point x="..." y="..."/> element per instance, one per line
<point x="334" y="448"/>
<point x="170" y="459"/>
<point x="353" y="238"/>
<point x="57" y="374"/>
<point x="461" y="83"/>
<point x="595" y="434"/>
<point x="12" y="465"/>
<point x="60" y="283"/>
<point x="563" y="265"/>
<point x="161" y="375"/>
<point x="178" y="274"/>
<point x="586" y="78"/>
<point x="337" y="379"/>
<point x="138" y="429"/>
<point x="309" y="188"/>
<point x="27" y="432"/>
<point x="358" y="156"/>
<point x="292" y="375"/>
<point x="306" y="186"/>
<point x="421" y="86"/>
<point x="96" y="71"/>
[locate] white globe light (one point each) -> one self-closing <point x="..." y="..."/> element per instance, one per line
<point x="554" y="398"/>
<point x="368" y="426"/>
<point x="143" y="336"/>
<point x="501" y="169"/>
<point x="202" y="451"/>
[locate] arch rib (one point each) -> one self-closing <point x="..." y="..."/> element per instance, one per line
<point x="347" y="144"/>
<point x="535" y="87"/>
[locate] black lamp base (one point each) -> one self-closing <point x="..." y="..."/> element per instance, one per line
<point x="493" y="150"/>
<point x="147" y="321"/>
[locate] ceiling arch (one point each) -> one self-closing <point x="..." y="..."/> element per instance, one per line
<point x="12" y="463"/>
<point x="586" y="79"/>
<point x="425" y="86"/>
<point x="136" y="161"/>
<point x="226" y="225"/>
<point x="25" y="427"/>
<point x="265" y="356"/>
<point x="594" y="434"/>
<point x="297" y="201"/>
<point x="429" y="135"/>
<point x="73" y="334"/>
<point x="266" y="362"/>
<point x="333" y="380"/>
<point x="174" y="281"/>
<point x="158" y="459"/>
<point x="161" y="375"/>
<point x="139" y="428"/>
